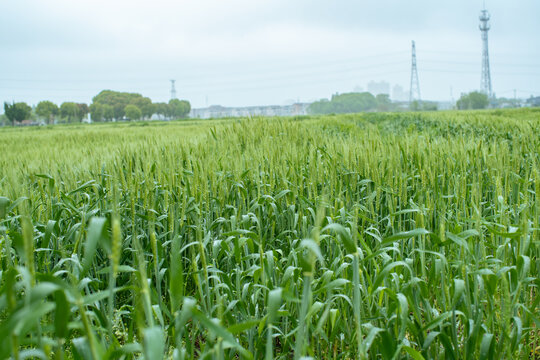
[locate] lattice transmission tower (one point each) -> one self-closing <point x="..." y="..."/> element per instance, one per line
<point x="485" y="82"/>
<point x="173" y="90"/>
<point x="414" y="94"/>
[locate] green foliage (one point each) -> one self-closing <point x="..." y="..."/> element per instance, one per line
<point x="17" y="112"/>
<point x="114" y="103"/>
<point x="83" y="110"/>
<point x="371" y="236"/>
<point x="415" y="105"/>
<point x="72" y="112"/>
<point x="108" y="112"/>
<point x="69" y="111"/>
<point x="423" y="106"/>
<point x="117" y="100"/>
<point x="179" y="108"/>
<point x="47" y="110"/>
<point x="133" y="112"/>
<point x="346" y="103"/>
<point x="473" y="100"/>
<point x="429" y="106"/>
<point x="110" y="97"/>
<point x="145" y="105"/>
<point x="383" y="102"/>
<point x="322" y="106"/>
<point x="164" y="110"/>
<point x="97" y="112"/>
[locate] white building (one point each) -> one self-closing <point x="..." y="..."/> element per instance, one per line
<point x="217" y="111"/>
<point x="376" y="88"/>
<point x="398" y="94"/>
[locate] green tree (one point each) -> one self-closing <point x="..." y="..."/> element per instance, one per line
<point x="345" y="103"/>
<point x="145" y="105"/>
<point x="118" y="100"/>
<point x="383" y="102"/>
<point x="108" y="112"/>
<point x="17" y="112"/>
<point x="70" y="111"/>
<point x="354" y="102"/>
<point x="83" y="111"/>
<point x="114" y="97"/>
<point x="9" y="112"/>
<point x="429" y="106"/>
<point x="187" y="108"/>
<point x="322" y="106"/>
<point x="47" y="110"/>
<point x="119" y="112"/>
<point x="179" y="108"/>
<point x="133" y="112"/>
<point x="96" y="112"/>
<point x="163" y="109"/>
<point x="473" y="100"/>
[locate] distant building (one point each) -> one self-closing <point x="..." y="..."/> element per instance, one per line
<point x="376" y="88"/>
<point x="358" y="89"/>
<point x="398" y="94"/>
<point x="218" y="111"/>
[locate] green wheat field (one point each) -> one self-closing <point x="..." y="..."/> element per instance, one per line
<point x="366" y="236"/>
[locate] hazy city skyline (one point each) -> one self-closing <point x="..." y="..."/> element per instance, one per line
<point x="240" y="53"/>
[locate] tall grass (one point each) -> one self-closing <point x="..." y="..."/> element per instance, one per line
<point x="379" y="236"/>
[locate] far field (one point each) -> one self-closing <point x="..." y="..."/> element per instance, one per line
<point x="380" y="236"/>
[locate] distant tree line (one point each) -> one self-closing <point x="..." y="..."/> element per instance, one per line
<point x="17" y="112"/>
<point x="108" y="105"/>
<point x="347" y="103"/>
<point x="360" y="102"/>
<point x="423" y="106"/>
<point x="113" y="105"/>
<point x="472" y="101"/>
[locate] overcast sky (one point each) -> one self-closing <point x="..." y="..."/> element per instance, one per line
<point x="256" y="52"/>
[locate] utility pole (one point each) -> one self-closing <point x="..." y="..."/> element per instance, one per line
<point x="173" y="90"/>
<point x="414" y="93"/>
<point x="485" y="82"/>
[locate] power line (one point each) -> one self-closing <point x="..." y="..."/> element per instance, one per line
<point x="476" y="64"/>
<point x="305" y="65"/>
<point x="283" y="76"/>
<point x="233" y="85"/>
<point x="474" y="72"/>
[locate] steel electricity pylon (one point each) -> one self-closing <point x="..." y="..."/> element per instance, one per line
<point x="485" y="82"/>
<point x="414" y="94"/>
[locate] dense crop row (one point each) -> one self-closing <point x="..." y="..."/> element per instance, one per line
<point x="338" y="237"/>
